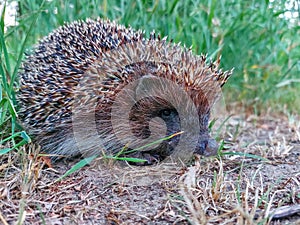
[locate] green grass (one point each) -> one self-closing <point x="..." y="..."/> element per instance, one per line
<point x="263" y="47"/>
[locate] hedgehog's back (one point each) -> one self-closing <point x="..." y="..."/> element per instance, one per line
<point x="53" y="69"/>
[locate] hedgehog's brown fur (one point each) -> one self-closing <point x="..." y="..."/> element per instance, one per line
<point x="85" y="65"/>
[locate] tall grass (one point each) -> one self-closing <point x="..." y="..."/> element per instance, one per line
<point x="252" y="37"/>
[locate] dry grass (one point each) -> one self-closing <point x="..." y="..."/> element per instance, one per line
<point x="232" y="189"/>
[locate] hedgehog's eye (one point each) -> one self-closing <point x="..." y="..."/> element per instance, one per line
<point x="165" y="113"/>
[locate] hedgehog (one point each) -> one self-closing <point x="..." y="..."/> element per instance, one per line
<point x="97" y="87"/>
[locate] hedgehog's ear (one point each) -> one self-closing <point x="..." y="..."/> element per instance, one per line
<point x="147" y="86"/>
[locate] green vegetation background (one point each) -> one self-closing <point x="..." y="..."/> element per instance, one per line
<point x="252" y="36"/>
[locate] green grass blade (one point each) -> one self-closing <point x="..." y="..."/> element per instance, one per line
<point x="243" y="154"/>
<point x="20" y="56"/>
<point x="77" y="167"/>
<point x="153" y="143"/>
<point x="128" y="159"/>
<point x="4" y="68"/>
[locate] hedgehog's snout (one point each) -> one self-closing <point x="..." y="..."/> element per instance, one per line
<point x="207" y="147"/>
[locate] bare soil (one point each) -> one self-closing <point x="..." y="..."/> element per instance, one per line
<point x="257" y="173"/>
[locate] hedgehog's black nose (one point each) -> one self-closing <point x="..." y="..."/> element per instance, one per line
<point x="207" y="147"/>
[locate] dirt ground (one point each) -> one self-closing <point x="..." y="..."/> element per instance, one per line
<point x="258" y="172"/>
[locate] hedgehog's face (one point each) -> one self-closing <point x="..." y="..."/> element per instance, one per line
<point x="151" y="114"/>
<point x="154" y="115"/>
